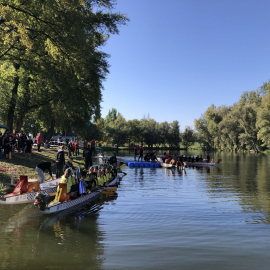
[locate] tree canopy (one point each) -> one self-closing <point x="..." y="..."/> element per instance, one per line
<point x="243" y="126"/>
<point x="51" y="63"/>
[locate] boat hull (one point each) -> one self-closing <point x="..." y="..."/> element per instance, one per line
<point x="46" y="188"/>
<point x="165" y="165"/>
<point x="57" y="207"/>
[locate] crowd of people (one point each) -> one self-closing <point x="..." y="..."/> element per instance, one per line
<point x="89" y="180"/>
<point x="178" y="160"/>
<point x="18" y="142"/>
<point x="150" y="156"/>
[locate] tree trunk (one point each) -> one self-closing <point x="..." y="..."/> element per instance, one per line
<point x="19" y="122"/>
<point x="49" y="133"/>
<point x="12" y="104"/>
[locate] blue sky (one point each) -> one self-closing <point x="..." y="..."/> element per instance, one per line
<point x="177" y="57"/>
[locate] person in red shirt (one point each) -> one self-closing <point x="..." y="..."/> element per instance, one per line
<point x="135" y="152"/>
<point x="141" y="153"/>
<point x="39" y="141"/>
<point x="72" y="148"/>
<point x="92" y="144"/>
<point x="85" y="144"/>
<point x="76" y="148"/>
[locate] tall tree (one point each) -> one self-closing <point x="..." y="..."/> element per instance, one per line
<point x="188" y="137"/>
<point x="174" y="134"/>
<point x="53" y="48"/>
<point x="117" y="130"/>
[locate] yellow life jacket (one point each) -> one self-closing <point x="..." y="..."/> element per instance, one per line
<point x="100" y="181"/>
<point x="69" y="181"/>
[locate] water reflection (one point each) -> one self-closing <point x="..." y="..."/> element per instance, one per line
<point x="168" y="218"/>
<point x="72" y="239"/>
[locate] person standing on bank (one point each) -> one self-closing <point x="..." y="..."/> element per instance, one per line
<point x="60" y="162"/>
<point x="93" y="146"/>
<point x="29" y="144"/>
<point x="39" y="141"/>
<point x="41" y="167"/>
<point x="87" y="157"/>
<point x="77" y="148"/>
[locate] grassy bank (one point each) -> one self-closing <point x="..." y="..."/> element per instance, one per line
<point x="20" y="165"/>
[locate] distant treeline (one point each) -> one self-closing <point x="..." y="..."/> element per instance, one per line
<point x="116" y="130"/>
<point x="243" y="126"/>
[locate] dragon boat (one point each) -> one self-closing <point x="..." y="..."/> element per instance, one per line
<point x="165" y="165"/>
<point x="25" y="192"/>
<point x="57" y="206"/>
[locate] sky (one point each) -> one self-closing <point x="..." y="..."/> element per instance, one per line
<point x="177" y="57"/>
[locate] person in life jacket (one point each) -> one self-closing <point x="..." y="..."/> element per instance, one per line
<point x="68" y="179"/>
<point x="101" y="179"/>
<point x="91" y="179"/>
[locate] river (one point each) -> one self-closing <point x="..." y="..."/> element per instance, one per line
<point x="216" y="218"/>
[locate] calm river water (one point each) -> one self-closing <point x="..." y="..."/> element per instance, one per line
<point x="161" y="219"/>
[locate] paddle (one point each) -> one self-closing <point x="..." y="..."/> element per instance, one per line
<point x="123" y="165"/>
<point x="110" y="188"/>
<point x="110" y="193"/>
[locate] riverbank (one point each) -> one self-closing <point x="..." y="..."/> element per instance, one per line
<point x="19" y="164"/>
<point x="195" y="146"/>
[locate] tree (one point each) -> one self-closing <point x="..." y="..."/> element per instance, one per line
<point x="149" y="131"/>
<point x="164" y="129"/>
<point x="188" y="137"/>
<point x="111" y="116"/>
<point x="100" y="124"/>
<point x="52" y="49"/>
<point x="174" y="134"/>
<point x="135" y="132"/>
<point x="263" y="121"/>
<point x="117" y="130"/>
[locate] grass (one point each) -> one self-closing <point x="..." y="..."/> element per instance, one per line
<point x="20" y="165"/>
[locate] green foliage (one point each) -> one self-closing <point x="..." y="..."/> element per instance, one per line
<point x="50" y="60"/>
<point x="117" y="130"/>
<point x="135" y="131"/>
<point x="188" y="137"/>
<point x="243" y="126"/>
<point x="174" y="134"/>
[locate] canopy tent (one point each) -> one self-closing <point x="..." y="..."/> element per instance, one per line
<point x="5" y="127"/>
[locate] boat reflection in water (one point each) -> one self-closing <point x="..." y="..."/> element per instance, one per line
<point x="32" y="238"/>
